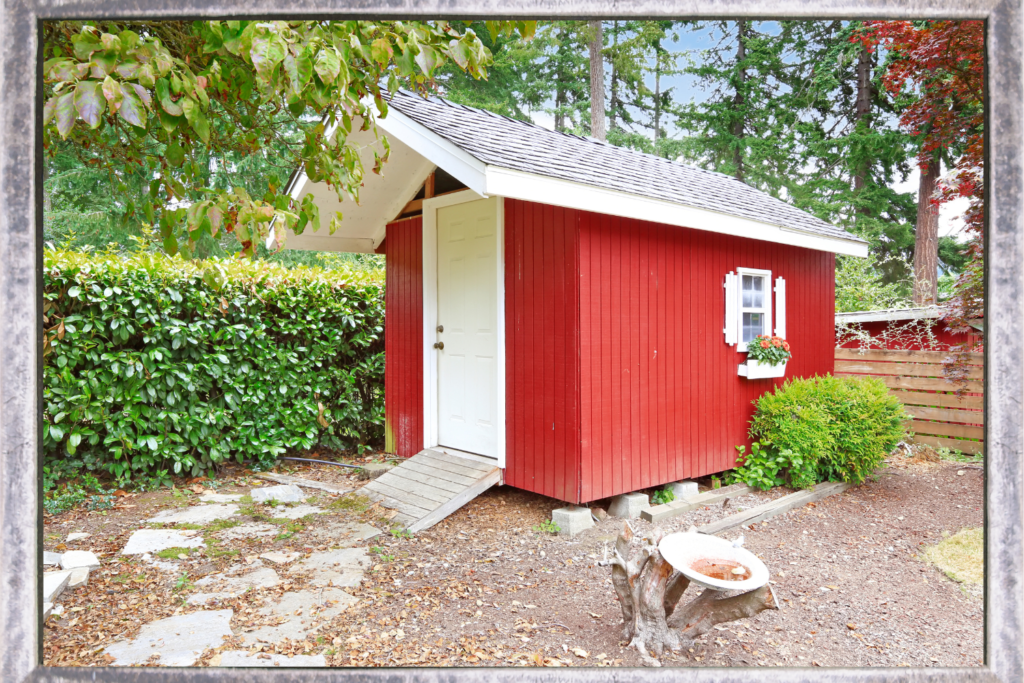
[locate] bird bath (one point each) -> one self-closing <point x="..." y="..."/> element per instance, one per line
<point x="713" y="562"/>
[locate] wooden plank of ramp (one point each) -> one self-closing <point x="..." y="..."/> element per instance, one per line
<point x="775" y="507"/>
<point x="431" y="485"/>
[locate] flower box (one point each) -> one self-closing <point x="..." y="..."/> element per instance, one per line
<point x="754" y="370"/>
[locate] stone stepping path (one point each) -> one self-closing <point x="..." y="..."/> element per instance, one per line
<point x="179" y="640"/>
<point x="282" y="494"/>
<point x="182" y="639"/>
<point x="197" y="514"/>
<point x="264" y="577"/>
<point x="253" y="659"/>
<point x="341" y="568"/>
<point x="303" y="611"/>
<point x="155" y="540"/>
<point x="297" y="512"/>
<point x="248" y="530"/>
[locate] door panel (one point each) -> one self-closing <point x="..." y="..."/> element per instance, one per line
<point x="467" y="309"/>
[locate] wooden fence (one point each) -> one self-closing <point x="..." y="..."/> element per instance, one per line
<point x="939" y="416"/>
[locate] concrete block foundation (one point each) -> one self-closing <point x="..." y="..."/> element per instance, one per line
<point x="629" y="505"/>
<point x="572" y="520"/>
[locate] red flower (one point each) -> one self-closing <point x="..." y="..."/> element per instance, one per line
<point x="764" y="343"/>
<point x="776" y="342"/>
<point x="785" y="345"/>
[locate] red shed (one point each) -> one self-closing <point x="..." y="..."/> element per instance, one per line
<point x="912" y="329"/>
<point x="576" y="312"/>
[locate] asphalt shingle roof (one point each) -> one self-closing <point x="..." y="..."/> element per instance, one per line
<point x="507" y="143"/>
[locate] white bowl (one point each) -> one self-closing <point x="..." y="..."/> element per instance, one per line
<point x="684" y="550"/>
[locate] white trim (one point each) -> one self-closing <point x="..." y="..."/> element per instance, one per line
<point x="767" y="308"/>
<point x="454" y="160"/>
<point x="430" y="407"/>
<point x="889" y="315"/>
<point x="529" y="186"/>
<point x="780" y="307"/>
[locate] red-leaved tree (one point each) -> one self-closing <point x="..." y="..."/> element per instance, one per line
<point x="941" y="65"/>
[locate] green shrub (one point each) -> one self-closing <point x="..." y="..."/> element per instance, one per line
<point x="823" y="429"/>
<point x="662" y="496"/>
<point x="153" y="363"/>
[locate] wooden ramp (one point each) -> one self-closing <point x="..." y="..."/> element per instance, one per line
<point x="431" y="485"/>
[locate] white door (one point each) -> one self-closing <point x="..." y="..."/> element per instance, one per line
<point x="467" y="318"/>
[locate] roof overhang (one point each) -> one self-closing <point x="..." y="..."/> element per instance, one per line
<point x="416" y="150"/>
<point x="890" y="315"/>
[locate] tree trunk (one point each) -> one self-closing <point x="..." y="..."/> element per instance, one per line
<point x="657" y="99"/>
<point x="596" y="81"/>
<point x="613" y="103"/>
<point x="739" y="99"/>
<point x="649" y="591"/>
<point x="862" y="116"/>
<point x="926" y="240"/>
<point x="560" y="87"/>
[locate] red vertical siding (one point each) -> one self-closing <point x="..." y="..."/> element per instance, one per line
<point x="659" y="385"/>
<point x="403" y="338"/>
<point x="903" y="334"/>
<point x="542" y="309"/>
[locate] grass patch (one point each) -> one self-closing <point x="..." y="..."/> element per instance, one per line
<point x="221" y="524"/>
<point x="214" y="551"/>
<point x="188" y="526"/>
<point x="961" y="557"/>
<point x="350" y="501"/>
<point x="172" y="553"/>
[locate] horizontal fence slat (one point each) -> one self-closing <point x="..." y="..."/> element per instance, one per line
<point x="903" y="369"/>
<point x="919" y="383"/>
<point x="904" y="356"/>
<point x="920" y="427"/>
<point x="925" y="398"/>
<point x="973" y="447"/>
<point x="974" y="417"/>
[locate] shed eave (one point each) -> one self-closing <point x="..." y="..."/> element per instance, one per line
<point x="890" y="315"/>
<point x="516" y="184"/>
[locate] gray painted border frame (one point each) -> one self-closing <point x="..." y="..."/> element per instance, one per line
<point x="21" y="342"/>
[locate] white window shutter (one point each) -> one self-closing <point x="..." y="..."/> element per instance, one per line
<point x="731" y="323"/>
<point x="780" y="307"/>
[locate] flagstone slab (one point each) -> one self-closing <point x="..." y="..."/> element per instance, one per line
<point x="248" y="530"/>
<point x="73" y="559"/>
<point x="221" y="497"/>
<point x="280" y="557"/>
<point x="304" y="611"/>
<point x="54" y="584"/>
<point x="155" y="540"/>
<point x="229" y="587"/>
<point x="297" y="512"/>
<point x="179" y="640"/>
<point x="341" y="568"/>
<point x="196" y="514"/>
<point x="50" y="559"/>
<point x="254" y="659"/>
<point x="340" y="534"/>
<point x="289" y="493"/>
<point x="78" y="536"/>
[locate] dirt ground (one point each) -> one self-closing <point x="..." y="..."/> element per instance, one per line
<point x="487" y="587"/>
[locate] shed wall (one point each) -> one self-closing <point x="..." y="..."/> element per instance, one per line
<point x="910" y="335"/>
<point x="660" y="398"/>
<point x="542" y="349"/>
<point x="403" y="339"/>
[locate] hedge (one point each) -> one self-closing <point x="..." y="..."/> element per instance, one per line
<point x="155" y="364"/>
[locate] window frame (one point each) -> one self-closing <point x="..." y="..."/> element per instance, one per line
<point x="741" y="346"/>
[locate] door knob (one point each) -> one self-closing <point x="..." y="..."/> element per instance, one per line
<point x="439" y="345"/>
<point x="440" y="328"/>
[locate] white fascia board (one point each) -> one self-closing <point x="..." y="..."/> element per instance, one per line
<point x="531" y="187"/>
<point x="403" y="197"/>
<point x="889" y="315"/>
<point x="460" y="164"/>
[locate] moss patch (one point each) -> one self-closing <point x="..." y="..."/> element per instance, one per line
<point x="961" y="557"/>
<point x="172" y="553"/>
<point x="350" y="501"/>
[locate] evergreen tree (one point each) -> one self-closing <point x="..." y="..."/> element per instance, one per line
<point x="746" y="126"/>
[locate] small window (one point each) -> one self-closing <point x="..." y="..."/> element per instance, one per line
<point x="748" y="309"/>
<point x="755" y="305"/>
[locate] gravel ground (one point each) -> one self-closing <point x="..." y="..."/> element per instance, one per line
<point x="487" y="587"/>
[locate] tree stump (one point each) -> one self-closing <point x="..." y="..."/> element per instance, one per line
<point x="650" y="589"/>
